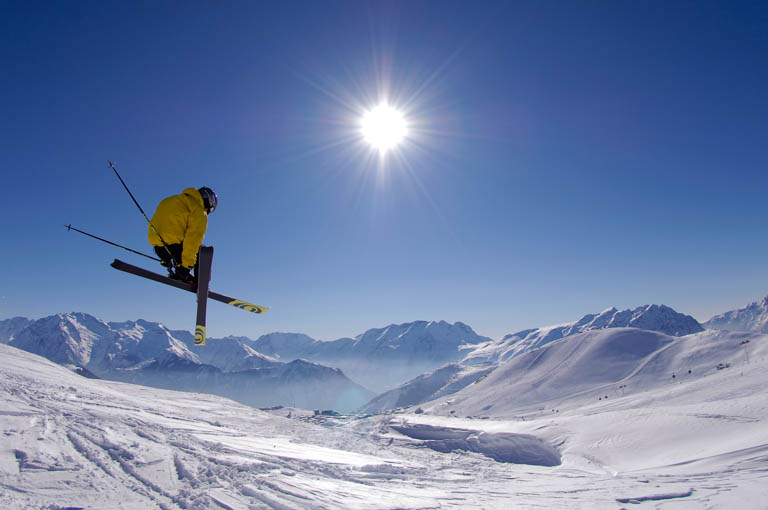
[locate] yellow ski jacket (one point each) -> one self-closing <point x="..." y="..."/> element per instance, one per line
<point x="181" y="219"/>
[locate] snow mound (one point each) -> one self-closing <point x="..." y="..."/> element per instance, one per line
<point x="499" y="446"/>
<point x="656" y="497"/>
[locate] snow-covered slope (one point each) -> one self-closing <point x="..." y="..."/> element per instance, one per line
<point x="599" y="364"/>
<point x="583" y="363"/>
<point x="659" y="318"/>
<point x="381" y="358"/>
<point x="450" y="379"/>
<point x="71" y="442"/>
<point x="753" y="317"/>
<point x="446" y="380"/>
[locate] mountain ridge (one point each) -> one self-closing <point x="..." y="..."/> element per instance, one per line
<point x="752" y="317"/>
<point x="148" y="353"/>
<point x="650" y="317"/>
<point x="598" y="365"/>
<point x="400" y="360"/>
<point x="380" y="358"/>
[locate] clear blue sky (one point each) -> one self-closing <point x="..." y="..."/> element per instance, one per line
<point x="564" y="157"/>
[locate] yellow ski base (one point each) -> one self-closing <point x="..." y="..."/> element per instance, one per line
<point x="200" y="335"/>
<point x="250" y="307"/>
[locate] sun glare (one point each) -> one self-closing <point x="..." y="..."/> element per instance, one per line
<point x="384" y="127"/>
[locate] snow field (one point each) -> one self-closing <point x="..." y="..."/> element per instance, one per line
<point x="695" y="440"/>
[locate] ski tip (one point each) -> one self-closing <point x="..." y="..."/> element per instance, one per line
<point x="250" y="307"/>
<point x="199" y="335"/>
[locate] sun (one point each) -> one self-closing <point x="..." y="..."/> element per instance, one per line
<point x="384" y="127"/>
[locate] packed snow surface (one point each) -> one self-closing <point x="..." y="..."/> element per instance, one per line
<point x="698" y="442"/>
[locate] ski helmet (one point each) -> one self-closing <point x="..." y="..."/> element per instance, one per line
<point x="210" y="200"/>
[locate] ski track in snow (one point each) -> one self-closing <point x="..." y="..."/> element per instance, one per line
<point x="71" y="442"/>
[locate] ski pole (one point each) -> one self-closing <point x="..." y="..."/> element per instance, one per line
<point x="70" y="227"/>
<point x="173" y="261"/>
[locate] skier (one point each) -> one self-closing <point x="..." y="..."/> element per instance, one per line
<point x="177" y="229"/>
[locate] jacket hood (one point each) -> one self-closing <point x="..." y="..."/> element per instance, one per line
<point x="192" y="192"/>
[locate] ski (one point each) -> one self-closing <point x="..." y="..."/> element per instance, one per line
<point x="140" y="271"/>
<point x="204" y="263"/>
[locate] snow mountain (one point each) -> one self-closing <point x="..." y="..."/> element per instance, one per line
<point x="613" y="372"/>
<point x="148" y="353"/>
<point x="659" y="318"/>
<point x="231" y="354"/>
<point x="381" y="358"/>
<point x="753" y="317"/>
<point x="10" y="327"/>
<point x="287" y="346"/>
<point x="601" y="364"/>
<point x="486" y="358"/>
